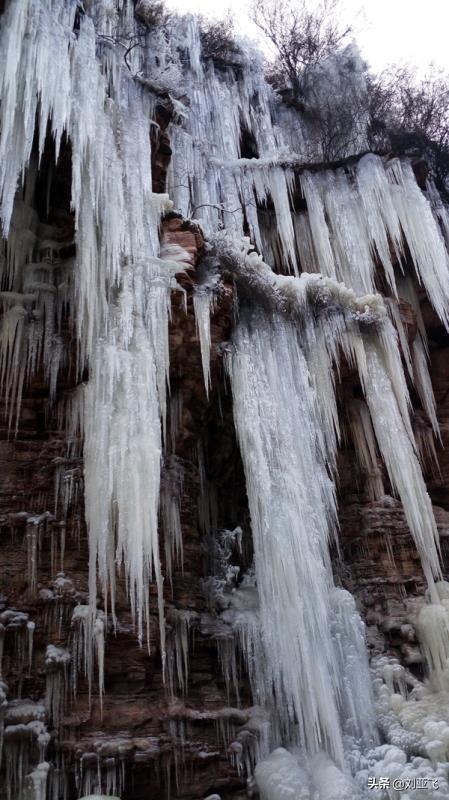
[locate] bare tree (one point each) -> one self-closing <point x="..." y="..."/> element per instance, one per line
<point x="408" y="113"/>
<point x="314" y="72"/>
<point x="335" y="105"/>
<point x="302" y="36"/>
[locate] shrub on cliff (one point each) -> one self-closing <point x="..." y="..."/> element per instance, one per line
<point x="407" y="113"/>
<point x="218" y="42"/>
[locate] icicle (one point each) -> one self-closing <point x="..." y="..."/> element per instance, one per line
<point x="318" y="227"/>
<point x="31" y="626"/>
<point x="365" y="447"/>
<point x="83" y="651"/>
<point x="320" y="364"/>
<point x="2" y="647"/>
<point x="32" y="533"/>
<point x="99" y="647"/>
<point x="333" y="202"/>
<point x="396" y="318"/>
<point x="422" y="235"/>
<point x="358" y="719"/>
<point x="420" y="354"/>
<point x="57" y="660"/>
<point x="425" y="440"/>
<point x="178" y="650"/>
<point x="122" y="472"/>
<point x="38" y="780"/>
<point x="170" y="504"/>
<point x="227" y="653"/>
<point x="29" y="328"/>
<point x="13" y="357"/>
<point x="208" y="278"/>
<point x="203" y="303"/>
<point x="17" y="623"/>
<point x="25" y="732"/>
<point x="121" y="288"/>
<point x="175" y="416"/>
<point x="432" y="626"/>
<point x="34" y="78"/>
<point x="397" y="449"/>
<point x="207" y="501"/>
<point x="383" y="225"/>
<point x="423" y="383"/>
<point x="353" y="222"/>
<point x="277" y="183"/>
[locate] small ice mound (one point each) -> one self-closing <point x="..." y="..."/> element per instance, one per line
<point x="330" y="782"/>
<point x="279" y="777"/>
<point x="100" y="797"/>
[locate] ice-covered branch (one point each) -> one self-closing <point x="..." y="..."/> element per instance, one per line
<point x="290" y="295"/>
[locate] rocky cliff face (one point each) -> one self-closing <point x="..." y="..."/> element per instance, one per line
<point x="190" y="728"/>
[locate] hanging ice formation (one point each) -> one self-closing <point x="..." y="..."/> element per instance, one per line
<point x="118" y="285"/>
<point x="304" y="248"/>
<point x="281" y="409"/>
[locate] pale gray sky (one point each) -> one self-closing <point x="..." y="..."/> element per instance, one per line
<point x="411" y="31"/>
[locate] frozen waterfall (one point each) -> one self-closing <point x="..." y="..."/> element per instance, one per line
<point x="303" y="252"/>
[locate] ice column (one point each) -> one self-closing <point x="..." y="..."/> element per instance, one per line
<point x="291" y="503"/>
